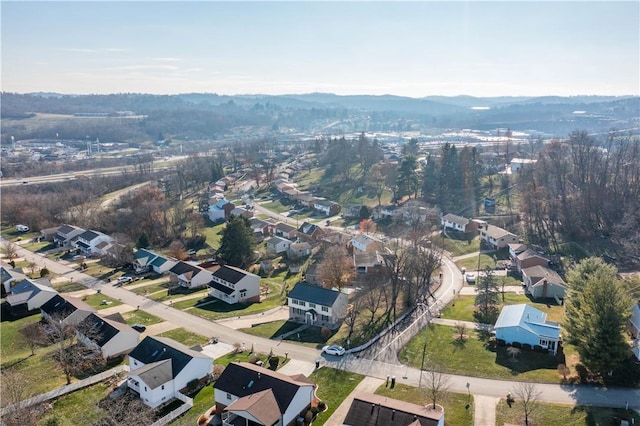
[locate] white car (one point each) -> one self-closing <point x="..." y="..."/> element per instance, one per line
<point x="334" y="350"/>
<point x="124" y="280"/>
<point x="22" y="228"/>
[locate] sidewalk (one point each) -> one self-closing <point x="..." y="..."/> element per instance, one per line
<point x="368" y="384"/>
<point x="276" y="314"/>
<point x="484" y="413"/>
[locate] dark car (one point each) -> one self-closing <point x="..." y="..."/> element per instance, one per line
<point x="139" y="327"/>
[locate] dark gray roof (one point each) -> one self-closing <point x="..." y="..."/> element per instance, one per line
<point x="155" y="374"/>
<point x="456" y="219"/>
<point x="65" y="229"/>
<point x="153" y="349"/>
<point x="230" y="274"/>
<point x="369" y="410"/>
<point x="88" y="235"/>
<point x="184" y="267"/>
<point x="97" y="329"/>
<point x="314" y="294"/>
<point x="142" y="253"/>
<point x="159" y="261"/>
<point x="283" y="227"/>
<point x="242" y="379"/>
<point x="64" y="306"/>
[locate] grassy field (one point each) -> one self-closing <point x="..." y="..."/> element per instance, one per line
<point x="185" y="337"/>
<point x="463" y="307"/>
<point x="100" y="301"/>
<point x="458" y="407"/>
<point x="471" y="264"/>
<point x="213" y="234"/>
<point x="333" y="387"/>
<point x="68" y="286"/>
<point x="457" y="247"/>
<point x="77" y="408"/>
<point x="557" y="414"/>
<point x="453" y="356"/>
<point x="141" y="317"/>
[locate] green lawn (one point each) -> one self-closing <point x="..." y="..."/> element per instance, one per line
<point x="458" y="407"/>
<point x="333" y="387"/>
<point x="271" y="329"/>
<point x="151" y="288"/>
<point x="444" y="350"/>
<point x="311" y="336"/>
<point x="68" y="286"/>
<point x="185" y="337"/>
<point x="471" y="264"/>
<point x="457" y="247"/>
<point x="140" y="317"/>
<point x="557" y="414"/>
<point x="77" y="408"/>
<point x="162" y="296"/>
<point x="463" y="307"/>
<point x="100" y="301"/>
<point x="213" y="234"/>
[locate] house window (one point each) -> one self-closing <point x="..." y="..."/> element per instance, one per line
<point x="243" y="293"/>
<point x="312" y="305"/>
<point x="544" y="343"/>
<point x="162" y="387"/>
<point x="228" y="395"/>
<point x="325" y="309"/>
<point x="145" y="388"/>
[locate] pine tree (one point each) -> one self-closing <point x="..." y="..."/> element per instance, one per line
<point x="487" y="299"/>
<point x="597" y="309"/>
<point x="237" y="243"/>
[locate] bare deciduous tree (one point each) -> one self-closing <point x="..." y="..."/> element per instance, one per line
<point x="336" y="268"/>
<point x="10" y="250"/>
<point x="460" y="329"/>
<point x="527" y="395"/>
<point x="177" y="250"/>
<point x="436" y="382"/>
<point x="15" y="391"/>
<point x="34" y="336"/>
<point x="126" y="410"/>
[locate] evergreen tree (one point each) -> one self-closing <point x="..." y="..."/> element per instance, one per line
<point x="143" y="241"/>
<point x="487" y="299"/>
<point x="408" y="180"/>
<point x="597" y="309"/>
<point x="237" y="243"/>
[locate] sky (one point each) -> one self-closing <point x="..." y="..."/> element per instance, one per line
<point x="416" y="49"/>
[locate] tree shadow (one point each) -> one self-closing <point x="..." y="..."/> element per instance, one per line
<point x="525" y="361"/>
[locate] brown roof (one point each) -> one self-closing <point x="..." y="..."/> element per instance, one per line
<point x="368" y="409"/>
<point x="261" y="405"/>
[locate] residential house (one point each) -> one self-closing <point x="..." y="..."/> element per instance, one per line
<point x="543" y="283"/>
<point x="368" y="409"/>
<point x="161" y="264"/>
<point x="310" y="232"/>
<point x="525" y="324"/>
<point x="315" y="305"/>
<point x="160" y="368"/>
<point x="10" y="277"/>
<point x="241" y="211"/>
<point x="633" y="325"/>
<point x="262" y="226"/>
<point x="248" y="394"/>
<point x="529" y="258"/>
<point x="189" y="276"/>
<point x="365" y="243"/>
<point x="234" y="285"/>
<point x="514" y="250"/>
<point x="91" y="243"/>
<point x="365" y="263"/>
<point x="66" y="235"/>
<point x="220" y="210"/>
<point x="352" y="210"/>
<point x="326" y="207"/>
<point x="299" y="250"/>
<point x="66" y="309"/>
<point x="48" y="234"/>
<point x="285" y="231"/>
<point x="496" y="237"/>
<point x="110" y="338"/>
<point x="387" y="212"/>
<point x="452" y="222"/>
<point x="142" y="260"/>
<point x="27" y="296"/>
<point x="518" y="164"/>
<point x="276" y="245"/>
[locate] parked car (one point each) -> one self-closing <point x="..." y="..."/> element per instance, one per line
<point x="470" y="278"/>
<point x="22" y="228"/>
<point x="124" y="280"/>
<point x="334" y="350"/>
<point x="139" y="327"/>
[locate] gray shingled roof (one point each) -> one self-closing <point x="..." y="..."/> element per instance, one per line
<point x="153" y="349"/>
<point x="314" y="294"/>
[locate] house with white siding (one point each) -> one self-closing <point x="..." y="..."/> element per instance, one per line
<point x="496" y="237"/>
<point x="110" y="338"/>
<point x="160" y="368"/>
<point x="93" y="243"/>
<point x="189" y="276"/>
<point x="27" y="296"/>
<point x="234" y="285"/>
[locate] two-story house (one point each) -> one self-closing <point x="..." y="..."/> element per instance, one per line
<point x="92" y="243"/>
<point x="310" y="232"/>
<point x="159" y="368"/>
<point x="189" y="276"/>
<point x="326" y="207"/>
<point x="365" y="243"/>
<point x="452" y="222"/>
<point x="110" y="338"/>
<point x="285" y="231"/>
<point x="315" y="305"/>
<point x="496" y="237"/>
<point x="248" y="394"/>
<point x="540" y="282"/>
<point x="277" y="245"/>
<point x="66" y="234"/>
<point x="234" y="285"/>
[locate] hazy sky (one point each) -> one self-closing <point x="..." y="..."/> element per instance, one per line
<point x="413" y="49"/>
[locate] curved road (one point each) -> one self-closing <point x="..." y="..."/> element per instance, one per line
<point x="452" y="280"/>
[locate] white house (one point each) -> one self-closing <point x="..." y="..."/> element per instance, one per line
<point x="189" y="276"/>
<point x="496" y="237"/>
<point x="234" y="285"/>
<point x="454" y="222"/>
<point x="218" y="212"/>
<point x="278" y="245"/>
<point x="161" y="264"/>
<point x="315" y="305"/>
<point x="29" y="295"/>
<point x="286" y="231"/>
<point x="527" y="325"/>
<point x="92" y="243"/>
<point x="110" y="338"/>
<point x="518" y="164"/>
<point x="366" y="244"/>
<point x="66" y="309"/>
<point x="159" y="368"/>
<point x="249" y="394"/>
<point x="66" y="234"/>
<point x="365" y="263"/>
<point x="326" y="207"/>
<point x="299" y="250"/>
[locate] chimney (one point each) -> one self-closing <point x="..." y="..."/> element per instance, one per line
<point x="544" y="288"/>
<point x="393" y="414"/>
<point x="259" y="375"/>
<point x="373" y="406"/>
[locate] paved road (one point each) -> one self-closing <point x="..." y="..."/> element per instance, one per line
<point x="610" y="397"/>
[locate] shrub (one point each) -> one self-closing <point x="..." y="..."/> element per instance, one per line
<point x="516" y="344"/>
<point x="218" y="369"/>
<point x="500" y="342"/>
<point x="237" y="347"/>
<point x="193" y="384"/>
<point x="44" y="272"/>
<point x="526" y="346"/>
<point x="308" y="416"/>
<point x="254" y="359"/>
<point x="538" y="348"/>
<point x="322" y="406"/>
<point x="314" y="410"/>
<point x="325" y="332"/>
<point x="273" y="363"/>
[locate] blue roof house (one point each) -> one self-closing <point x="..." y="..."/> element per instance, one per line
<point x="315" y="305"/>
<point x="527" y="325"/>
